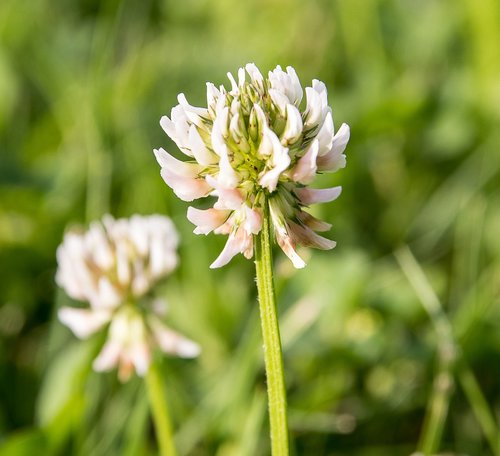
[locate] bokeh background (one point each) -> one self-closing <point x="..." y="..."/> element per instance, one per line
<point x="83" y="84"/>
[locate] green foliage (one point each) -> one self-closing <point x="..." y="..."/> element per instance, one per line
<point x="82" y="87"/>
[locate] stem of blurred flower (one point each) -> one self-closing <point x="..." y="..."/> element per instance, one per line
<point x="159" y="409"/>
<point x="273" y="357"/>
<point x="450" y="361"/>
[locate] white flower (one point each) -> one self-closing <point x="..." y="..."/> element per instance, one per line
<point x="254" y="146"/>
<point x="112" y="266"/>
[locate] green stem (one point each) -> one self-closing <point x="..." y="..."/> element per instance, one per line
<point x="273" y="357"/>
<point x="159" y="409"/>
<point x="480" y="406"/>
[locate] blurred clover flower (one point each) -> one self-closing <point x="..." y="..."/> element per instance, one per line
<point x="113" y="266"/>
<point x="254" y="145"/>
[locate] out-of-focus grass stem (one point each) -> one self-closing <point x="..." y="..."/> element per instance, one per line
<point x="450" y="361"/>
<point x="159" y="409"/>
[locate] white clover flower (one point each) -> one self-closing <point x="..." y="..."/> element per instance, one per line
<point x="112" y="266"/>
<point x="256" y="144"/>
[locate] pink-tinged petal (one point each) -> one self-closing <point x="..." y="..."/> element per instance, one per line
<point x="293" y="127"/>
<point x="200" y="151"/>
<point x="312" y="222"/>
<point x="229" y="198"/>
<point x="187" y="189"/>
<point x="308" y="238"/>
<point x="335" y="159"/>
<point x="206" y="220"/>
<point x="236" y="243"/>
<point x="341" y="138"/>
<point x="282" y="236"/>
<point x="177" y="167"/>
<point x="288" y="248"/>
<point x="83" y="322"/>
<point x="304" y="171"/>
<point x="172" y="342"/>
<point x="140" y="356"/>
<point x="125" y="367"/>
<point x="253" y="220"/>
<point x="317" y="195"/>
<point x="108" y="356"/>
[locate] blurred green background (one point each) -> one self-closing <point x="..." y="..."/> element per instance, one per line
<point x="83" y="85"/>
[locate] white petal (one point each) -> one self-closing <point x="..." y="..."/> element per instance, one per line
<point x="293" y="127"/>
<point x="335" y="159"/>
<point x="200" y="151"/>
<point x="220" y="131"/>
<point x="177" y="128"/>
<point x="83" y="322"/>
<point x="317" y="104"/>
<point x="138" y="232"/>
<point x="140" y="355"/>
<point x="99" y="246"/>
<point x="122" y="262"/>
<point x="175" y="166"/>
<point x="206" y="220"/>
<point x="304" y="171"/>
<point x="295" y="88"/>
<point x="212" y="95"/>
<point x="227" y="175"/>
<point x="313" y="108"/>
<point x="280" y="100"/>
<point x="161" y="259"/>
<point x="194" y="114"/>
<point x="255" y="74"/>
<point x="108" y="296"/>
<point x="281" y="161"/>
<point x="325" y="135"/>
<point x="317" y="195"/>
<point x="234" y="85"/>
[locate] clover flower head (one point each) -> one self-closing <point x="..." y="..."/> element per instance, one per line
<point x="113" y="266"/>
<point x="258" y="143"/>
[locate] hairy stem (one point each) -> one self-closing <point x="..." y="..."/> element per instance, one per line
<point x="273" y="357"/>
